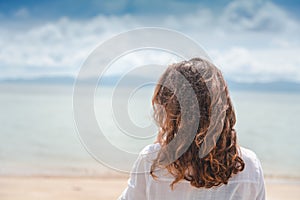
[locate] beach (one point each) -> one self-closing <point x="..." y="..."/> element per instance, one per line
<point x="42" y="156"/>
<point x="104" y="188"/>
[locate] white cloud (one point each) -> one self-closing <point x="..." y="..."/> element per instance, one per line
<point x="254" y="15"/>
<point x="259" y="65"/>
<point x="249" y="40"/>
<point x="22" y="13"/>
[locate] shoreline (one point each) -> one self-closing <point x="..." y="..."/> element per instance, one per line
<point x="118" y="174"/>
<point x="105" y="187"/>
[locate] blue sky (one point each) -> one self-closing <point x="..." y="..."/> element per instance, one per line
<point x="86" y="9"/>
<point x="249" y="40"/>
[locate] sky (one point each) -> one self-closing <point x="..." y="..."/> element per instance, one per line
<point x="250" y="41"/>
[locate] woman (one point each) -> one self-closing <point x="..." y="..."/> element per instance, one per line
<point x="196" y="155"/>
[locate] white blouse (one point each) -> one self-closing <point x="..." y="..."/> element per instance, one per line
<point x="246" y="185"/>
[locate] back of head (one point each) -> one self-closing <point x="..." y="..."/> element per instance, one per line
<point x="206" y="155"/>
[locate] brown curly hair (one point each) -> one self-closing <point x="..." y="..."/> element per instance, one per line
<point x="223" y="160"/>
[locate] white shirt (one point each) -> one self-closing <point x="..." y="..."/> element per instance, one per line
<point x="246" y="185"/>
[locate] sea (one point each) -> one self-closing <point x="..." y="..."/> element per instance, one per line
<point x="39" y="134"/>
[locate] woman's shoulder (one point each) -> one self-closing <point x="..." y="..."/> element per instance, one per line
<point x="149" y="152"/>
<point x="249" y="156"/>
<point x="151" y="148"/>
<point x="252" y="171"/>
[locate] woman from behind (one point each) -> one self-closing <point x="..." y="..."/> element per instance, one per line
<point x="196" y="155"/>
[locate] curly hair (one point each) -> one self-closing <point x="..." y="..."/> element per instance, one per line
<point x="223" y="159"/>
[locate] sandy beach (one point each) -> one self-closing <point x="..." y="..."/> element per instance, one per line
<point x="86" y="188"/>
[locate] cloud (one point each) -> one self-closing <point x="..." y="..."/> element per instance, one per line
<point x="255" y="16"/>
<point x="22" y="13"/>
<point x="248" y="40"/>
<point x="244" y="65"/>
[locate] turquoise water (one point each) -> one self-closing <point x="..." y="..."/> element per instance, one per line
<point x="38" y="134"/>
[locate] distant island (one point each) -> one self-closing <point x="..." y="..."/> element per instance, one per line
<point x="281" y="86"/>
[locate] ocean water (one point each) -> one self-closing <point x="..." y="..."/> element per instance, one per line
<point x="38" y="135"/>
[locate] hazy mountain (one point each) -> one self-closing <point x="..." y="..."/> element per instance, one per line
<point x="282" y="86"/>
